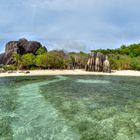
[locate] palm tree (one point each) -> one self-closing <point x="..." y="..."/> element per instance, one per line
<point x="17" y="60"/>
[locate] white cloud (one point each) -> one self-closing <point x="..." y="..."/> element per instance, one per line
<point x="69" y="45"/>
<point x="95" y="22"/>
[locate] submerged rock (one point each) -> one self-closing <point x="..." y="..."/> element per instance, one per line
<point x="22" y="46"/>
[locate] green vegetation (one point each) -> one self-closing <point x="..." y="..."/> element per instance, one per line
<point x="17" y="60"/>
<point x="9" y="67"/>
<point x="41" y="60"/>
<point x="125" y="57"/>
<point x="41" y="51"/>
<point x="50" y="60"/>
<point x="28" y="60"/>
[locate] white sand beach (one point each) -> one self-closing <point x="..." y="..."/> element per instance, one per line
<point x="70" y="72"/>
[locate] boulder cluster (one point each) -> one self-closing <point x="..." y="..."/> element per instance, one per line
<point x="22" y="46"/>
<point x="98" y="62"/>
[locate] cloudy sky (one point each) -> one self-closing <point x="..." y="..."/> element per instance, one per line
<point x="73" y="25"/>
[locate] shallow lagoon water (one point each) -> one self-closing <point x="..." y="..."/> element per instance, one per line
<point x="92" y="81"/>
<point x="70" y="108"/>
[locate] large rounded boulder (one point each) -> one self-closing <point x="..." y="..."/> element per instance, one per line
<point x="22" y="46"/>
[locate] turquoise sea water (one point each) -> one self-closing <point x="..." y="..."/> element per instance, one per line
<point x="70" y="108"/>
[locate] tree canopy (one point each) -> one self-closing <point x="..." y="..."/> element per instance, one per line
<point x="125" y="57"/>
<point x="131" y="50"/>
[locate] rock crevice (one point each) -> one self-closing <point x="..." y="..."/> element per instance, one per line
<point x="98" y="62"/>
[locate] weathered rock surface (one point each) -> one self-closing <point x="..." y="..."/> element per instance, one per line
<point x="22" y="46"/>
<point x="98" y="62"/>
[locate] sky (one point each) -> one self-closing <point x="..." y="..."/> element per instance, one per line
<point x="72" y="25"/>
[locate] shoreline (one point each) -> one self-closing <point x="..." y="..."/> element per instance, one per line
<point x="70" y="72"/>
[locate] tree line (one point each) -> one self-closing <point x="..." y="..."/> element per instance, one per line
<point x="56" y="59"/>
<point x="123" y="58"/>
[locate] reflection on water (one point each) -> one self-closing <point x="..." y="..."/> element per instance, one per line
<point x="70" y="108"/>
<point x="90" y="81"/>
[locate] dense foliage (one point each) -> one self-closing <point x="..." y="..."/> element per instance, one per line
<point x="131" y="50"/>
<point x="50" y="60"/>
<point x="125" y="57"/>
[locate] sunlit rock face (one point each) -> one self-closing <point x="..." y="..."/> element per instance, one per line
<point x="98" y="62"/>
<point x="22" y="46"/>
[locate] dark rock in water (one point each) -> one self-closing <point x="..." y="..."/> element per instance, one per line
<point x="98" y="62"/>
<point x="22" y="46"/>
<point x="27" y="72"/>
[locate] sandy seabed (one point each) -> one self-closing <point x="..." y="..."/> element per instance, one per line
<point x="70" y="72"/>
